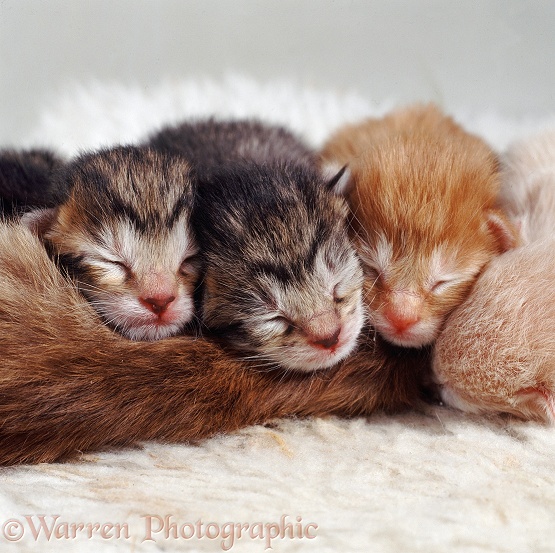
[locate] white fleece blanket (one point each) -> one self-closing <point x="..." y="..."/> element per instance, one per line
<point x="432" y="482"/>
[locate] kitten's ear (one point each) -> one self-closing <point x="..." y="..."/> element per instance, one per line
<point x="339" y="178"/>
<point x="542" y="396"/>
<point x="503" y="230"/>
<point x="40" y="221"/>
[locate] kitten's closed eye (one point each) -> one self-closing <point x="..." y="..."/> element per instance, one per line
<point x="423" y="204"/>
<point x="303" y="324"/>
<point x="339" y="295"/>
<point x="412" y="294"/>
<point x="191" y="265"/>
<point x="273" y="233"/>
<point x="284" y="325"/>
<point x="444" y="284"/>
<point x="121" y="266"/>
<point x="372" y="273"/>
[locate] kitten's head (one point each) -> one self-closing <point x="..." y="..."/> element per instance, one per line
<point x="124" y="235"/>
<point x="425" y="227"/>
<point x="282" y="280"/>
<point x="497" y="350"/>
<point x="528" y="189"/>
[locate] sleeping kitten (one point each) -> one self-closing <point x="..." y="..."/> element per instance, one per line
<point x="124" y="235"/>
<point x="70" y="385"/>
<point x="26" y="180"/>
<point x="281" y="280"/>
<point x="423" y="198"/>
<point x="211" y="144"/>
<point x="497" y="351"/>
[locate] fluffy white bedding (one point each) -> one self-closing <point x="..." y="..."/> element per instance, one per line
<point x="433" y="482"/>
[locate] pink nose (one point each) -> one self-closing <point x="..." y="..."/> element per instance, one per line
<point x="327" y="341"/>
<point x="401" y="322"/>
<point x="157" y="304"/>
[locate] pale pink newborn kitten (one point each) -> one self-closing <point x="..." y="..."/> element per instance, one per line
<point x="528" y="186"/>
<point x="497" y="350"/>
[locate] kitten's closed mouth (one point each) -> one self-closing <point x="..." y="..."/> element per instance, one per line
<point x="150" y="331"/>
<point x="142" y="324"/>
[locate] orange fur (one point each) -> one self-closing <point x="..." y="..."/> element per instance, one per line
<point x="424" y="216"/>
<point x="497" y="350"/>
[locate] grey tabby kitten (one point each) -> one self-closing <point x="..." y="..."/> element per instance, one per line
<point x="281" y="279"/>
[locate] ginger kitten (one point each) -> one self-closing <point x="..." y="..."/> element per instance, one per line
<point x="497" y="351"/>
<point x="423" y="196"/>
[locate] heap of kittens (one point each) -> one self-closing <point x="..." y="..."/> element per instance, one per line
<point x="123" y="233"/>
<point x="423" y="196"/>
<point x="69" y="384"/>
<point x="281" y="280"/>
<point x="497" y="351"/>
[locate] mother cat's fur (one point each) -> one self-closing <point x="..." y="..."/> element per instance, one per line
<point x="69" y="384"/>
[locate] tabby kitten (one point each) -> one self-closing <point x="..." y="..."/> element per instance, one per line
<point x="124" y="235"/>
<point x="281" y="279"/>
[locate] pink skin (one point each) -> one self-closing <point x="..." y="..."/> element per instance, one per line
<point x="401" y="321"/>
<point x="323" y="330"/>
<point x="159" y="310"/>
<point x="332" y="346"/>
<point x="157" y="291"/>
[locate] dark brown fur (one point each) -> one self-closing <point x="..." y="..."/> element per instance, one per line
<point x="26" y="180"/>
<point x="68" y="384"/>
<point x="281" y="280"/>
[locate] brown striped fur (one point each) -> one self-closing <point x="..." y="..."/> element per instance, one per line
<point x="124" y="235"/>
<point x="281" y="280"/>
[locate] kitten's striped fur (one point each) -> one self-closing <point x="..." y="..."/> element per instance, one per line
<point x="282" y="280"/>
<point x="124" y="235"/>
